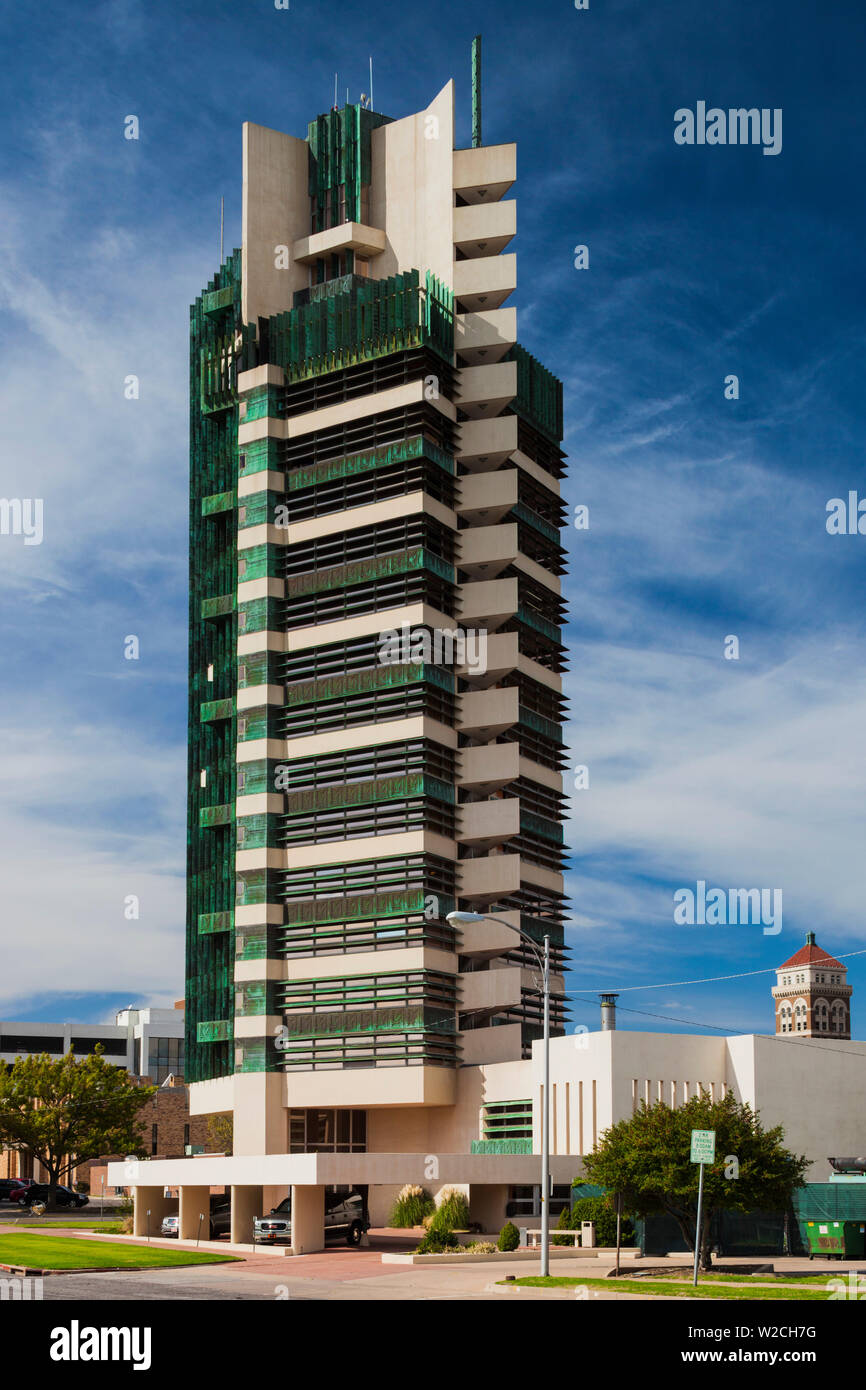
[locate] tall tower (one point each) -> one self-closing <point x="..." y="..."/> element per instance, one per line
<point x="375" y="693"/>
<point x="812" y="995"/>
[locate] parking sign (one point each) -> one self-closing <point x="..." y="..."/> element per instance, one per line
<point x="703" y="1145"/>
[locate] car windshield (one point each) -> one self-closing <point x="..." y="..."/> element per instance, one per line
<point x="285" y="1206"/>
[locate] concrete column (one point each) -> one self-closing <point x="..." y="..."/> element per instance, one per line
<point x="246" y="1204"/>
<point x="308" y="1219"/>
<point x="194" y="1200"/>
<point x="154" y="1200"/>
<point x="487" y="1204"/>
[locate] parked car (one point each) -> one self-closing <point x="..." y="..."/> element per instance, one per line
<point x="220" y="1223"/>
<point x="8" y="1186"/>
<point x="19" y="1194"/>
<point x="345" y="1216"/>
<point x="39" y="1191"/>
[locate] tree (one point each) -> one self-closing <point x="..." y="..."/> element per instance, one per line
<point x="647" y="1159"/>
<point x="65" y="1111"/>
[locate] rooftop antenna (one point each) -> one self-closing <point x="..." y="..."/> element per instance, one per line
<point x="371" y="82"/>
<point x="335" y="91"/>
<point x="222" y="224"/>
<point x="476" y="91"/>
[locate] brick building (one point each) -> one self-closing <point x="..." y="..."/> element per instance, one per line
<point x="813" y="998"/>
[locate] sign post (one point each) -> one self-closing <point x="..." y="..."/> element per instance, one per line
<point x="703" y="1151"/>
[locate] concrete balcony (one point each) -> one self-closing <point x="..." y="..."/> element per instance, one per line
<point x="487" y="823"/>
<point x="349" y="236"/>
<point x="485" y="391"/>
<point x="492" y="990"/>
<point x="485" y="498"/>
<point x="371" y="1086"/>
<point x="489" y="939"/>
<point x="484" y="229"/>
<point x="485" y="444"/>
<point x="493" y="876"/>
<point x="486" y="713"/>
<point x="501" y="1044"/>
<point x="480" y="338"/>
<point x="484" y="174"/>
<point x="485" y="282"/>
<point x="488" y="603"/>
<point x="488" y="767"/>
<point x="500" y="657"/>
<point x="485" y="551"/>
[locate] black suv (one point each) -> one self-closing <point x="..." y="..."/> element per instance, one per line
<point x="66" y="1197"/>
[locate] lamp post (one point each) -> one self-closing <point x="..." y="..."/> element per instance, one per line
<point x="465" y="919"/>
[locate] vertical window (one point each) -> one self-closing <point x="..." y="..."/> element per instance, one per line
<point x="154" y="1139"/>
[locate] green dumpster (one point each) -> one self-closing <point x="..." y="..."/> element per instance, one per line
<point x="844" y="1239"/>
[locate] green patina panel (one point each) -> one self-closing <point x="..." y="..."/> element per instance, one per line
<point x="210" y="816"/>
<point x="215" y="1030"/>
<point x="532" y="824"/>
<point x="218" y="607"/>
<point x="501" y="1146"/>
<point x="260" y="562"/>
<point x="259" y="456"/>
<point x="218" y="502"/>
<point x="364" y="793"/>
<point x="215" y="323"/>
<point x="217" y="301"/>
<point x="260" y="509"/>
<point x="217" y="709"/>
<point x="371" y="319"/>
<point x="367" y="571"/>
<point x="209" y="922"/>
<point x="363" y="907"/>
<point x="538" y="623"/>
<point x="539" y="394"/>
<point x="262" y="402"/>
<point x="365" y="682"/>
<point x="547" y="727"/>
<point x="409" y="1019"/>
<point x="384" y="457"/>
<point x="261" y="615"/>
<point x="340" y="159"/>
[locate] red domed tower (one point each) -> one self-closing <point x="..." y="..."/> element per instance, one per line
<point x="813" y="998"/>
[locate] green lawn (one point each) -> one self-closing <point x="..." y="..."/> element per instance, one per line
<point x="63" y="1252"/>
<point x="749" y="1293"/>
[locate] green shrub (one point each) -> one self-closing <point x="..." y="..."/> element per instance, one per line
<point x="413" y="1204"/>
<point x="437" y="1243"/>
<point x="452" y="1213"/>
<point x="481" y="1247"/>
<point x="509" y="1237"/>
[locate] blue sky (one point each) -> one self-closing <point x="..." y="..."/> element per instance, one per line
<point x="707" y="516"/>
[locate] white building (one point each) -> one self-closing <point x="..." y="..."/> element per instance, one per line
<point x="147" y="1042"/>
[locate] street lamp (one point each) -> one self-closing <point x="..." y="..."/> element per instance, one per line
<point x="467" y="919"/>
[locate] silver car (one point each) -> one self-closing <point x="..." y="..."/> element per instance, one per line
<point x="345" y="1217"/>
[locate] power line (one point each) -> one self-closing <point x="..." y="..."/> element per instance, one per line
<point x="713" y="979"/>
<point x="814" y="1045"/>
